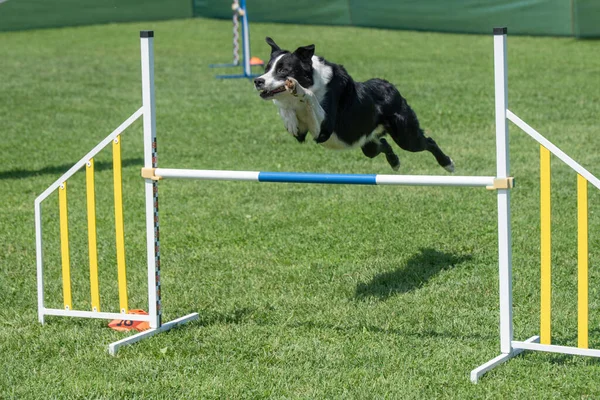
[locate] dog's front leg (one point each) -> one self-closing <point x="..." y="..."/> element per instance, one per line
<point x="321" y="129"/>
<point x="315" y="112"/>
<point x="290" y="120"/>
<point x="327" y="125"/>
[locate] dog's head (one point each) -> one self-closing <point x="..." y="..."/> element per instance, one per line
<point x="284" y="64"/>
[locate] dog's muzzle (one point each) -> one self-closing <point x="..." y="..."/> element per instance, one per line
<point x="259" y="84"/>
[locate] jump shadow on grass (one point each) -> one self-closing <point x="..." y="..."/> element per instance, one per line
<point x="61" y="169"/>
<point x="419" y="269"/>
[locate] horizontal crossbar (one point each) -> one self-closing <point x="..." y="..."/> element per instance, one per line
<point x="323" y="178"/>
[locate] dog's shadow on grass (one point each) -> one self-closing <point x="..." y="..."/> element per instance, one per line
<point x="61" y="169"/>
<point x="417" y="271"/>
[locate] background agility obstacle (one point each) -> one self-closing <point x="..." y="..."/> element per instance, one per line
<point x="239" y="10"/>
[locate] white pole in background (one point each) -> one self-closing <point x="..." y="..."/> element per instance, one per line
<point x="151" y="187"/>
<point x="245" y="40"/>
<point x="502" y="171"/>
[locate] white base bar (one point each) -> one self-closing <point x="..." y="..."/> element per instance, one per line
<point x="502" y="358"/>
<point x="576" y="351"/>
<point x="114" y="347"/>
<point x="94" y="314"/>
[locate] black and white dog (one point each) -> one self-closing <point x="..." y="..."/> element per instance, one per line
<point x="317" y="96"/>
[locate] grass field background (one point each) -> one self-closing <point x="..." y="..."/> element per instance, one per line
<point x="304" y="291"/>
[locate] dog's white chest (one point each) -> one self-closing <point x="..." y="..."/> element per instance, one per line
<point x="334" y="143"/>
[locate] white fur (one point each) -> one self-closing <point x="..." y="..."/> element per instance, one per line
<point x="303" y="112"/>
<point x="321" y="76"/>
<point x="306" y="106"/>
<point x="335" y="143"/>
<point x="289" y="119"/>
<point x="269" y="77"/>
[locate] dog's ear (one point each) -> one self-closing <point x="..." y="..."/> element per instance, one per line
<point x="305" y="52"/>
<point x="273" y="45"/>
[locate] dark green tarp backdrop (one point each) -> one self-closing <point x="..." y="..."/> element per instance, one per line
<point x="580" y="18"/>
<point x="34" y="14"/>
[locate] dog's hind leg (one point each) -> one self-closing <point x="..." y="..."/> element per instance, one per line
<point x="374" y="148"/>
<point x="407" y="134"/>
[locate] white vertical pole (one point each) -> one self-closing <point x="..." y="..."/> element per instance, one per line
<point x="502" y="171"/>
<point x="39" y="260"/>
<point x="151" y="187"/>
<point x="245" y="39"/>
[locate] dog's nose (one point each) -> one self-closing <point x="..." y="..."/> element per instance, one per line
<point x="259" y="82"/>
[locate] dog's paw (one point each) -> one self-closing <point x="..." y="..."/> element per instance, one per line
<point x="301" y="137"/>
<point x="450" y="167"/>
<point x="322" y="138"/>
<point x="292" y="127"/>
<point x="394" y="161"/>
<point x="291" y="86"/>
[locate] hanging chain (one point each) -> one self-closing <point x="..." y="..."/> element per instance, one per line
<point x="236" y="36"/>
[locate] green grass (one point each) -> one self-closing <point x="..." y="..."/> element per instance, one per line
<point x="303" y="291"/>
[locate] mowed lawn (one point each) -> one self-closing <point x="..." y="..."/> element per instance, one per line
<point x="303" y="291"/>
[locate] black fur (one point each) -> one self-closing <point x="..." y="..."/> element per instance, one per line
<point x="353" y="110"/>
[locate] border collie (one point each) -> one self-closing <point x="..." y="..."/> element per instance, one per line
<point x="317" y="96"/>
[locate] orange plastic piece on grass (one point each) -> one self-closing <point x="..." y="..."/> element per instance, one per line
<point x="125" y="325"/>
<point x="256" y="61"/>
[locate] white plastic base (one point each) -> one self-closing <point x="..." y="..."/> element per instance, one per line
<point x="114" y="347"/>
<point x="502" y="358"/>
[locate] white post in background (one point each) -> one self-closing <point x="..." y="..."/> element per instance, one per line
<point x="245" y="40"/>
<point x="502" y="171"/>
<point x="151" y="187"/>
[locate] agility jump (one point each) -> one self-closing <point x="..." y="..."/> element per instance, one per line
<point x="502" y="184"/>
<point x="239" y="10"/>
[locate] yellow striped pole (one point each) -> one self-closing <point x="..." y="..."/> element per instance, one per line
<point x="119" y="230"/>
<point x="582" y="262"/>
<point x="92" y="242"/>
<point x="64" y="245"/>
<point x="545" y="246"/>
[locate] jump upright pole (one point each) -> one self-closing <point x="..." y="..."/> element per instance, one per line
<point x="151" y="196"/>
<point x="504" y="226"/>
